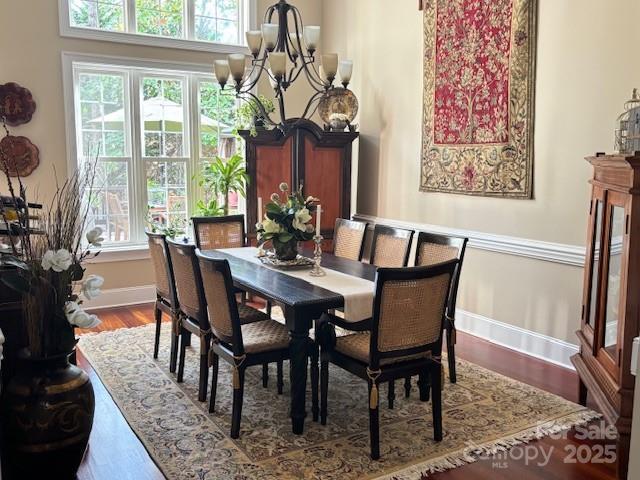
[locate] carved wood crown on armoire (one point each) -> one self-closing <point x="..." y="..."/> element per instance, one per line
<point x="306" y="155"/>
<point x="611" y="299"/>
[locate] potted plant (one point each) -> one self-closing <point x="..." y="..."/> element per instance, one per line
<point x="222" y="177"/>
<point x="248" y="114"/>
<point x="287" y="222"/>
<point x="48" y="405"/>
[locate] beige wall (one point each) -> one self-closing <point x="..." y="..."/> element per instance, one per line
<point x="30" y="54"/>
<point x="584" y="75"/>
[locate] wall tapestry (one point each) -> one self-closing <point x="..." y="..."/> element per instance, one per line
<point x="479" y="81"/>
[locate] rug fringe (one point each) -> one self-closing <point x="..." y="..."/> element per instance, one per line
<point x="473" y="453"/>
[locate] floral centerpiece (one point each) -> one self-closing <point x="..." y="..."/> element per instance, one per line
<point x="287" y="221"/>
<point x="49" y="402"/>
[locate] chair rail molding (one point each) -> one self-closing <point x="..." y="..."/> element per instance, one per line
<point x="573" y="255"/>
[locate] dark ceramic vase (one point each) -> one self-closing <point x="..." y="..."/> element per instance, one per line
<point x="48" y="411"/>
<point x="286" y="251"/>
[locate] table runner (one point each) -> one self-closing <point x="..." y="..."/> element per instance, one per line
<point x="357" y="292"/>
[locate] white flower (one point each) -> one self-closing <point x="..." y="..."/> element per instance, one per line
<point x="91" y="286"/>
<point x="300" y="219"/>
<point x="94" y="237"/>
<point x="78" y="317"/>
<point x="283" y="187"/>
<point x="312" y="200"/>
<point x="270" y="226"/>
<point x="58" y="261"/>
<point x="275" y="198"/>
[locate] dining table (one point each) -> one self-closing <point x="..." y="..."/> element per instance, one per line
<point x="348" y="286"/>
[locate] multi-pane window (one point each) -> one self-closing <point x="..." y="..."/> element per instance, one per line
<point x="151" y="132"/>
<point x="219" y="21"/>
<point x="98" y="14"/>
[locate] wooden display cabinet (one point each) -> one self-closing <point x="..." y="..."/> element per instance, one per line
<point x="611" y="299"/>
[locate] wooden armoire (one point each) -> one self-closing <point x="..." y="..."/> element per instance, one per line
<point x="611" y="299"/>
<point x="306" y="155"/>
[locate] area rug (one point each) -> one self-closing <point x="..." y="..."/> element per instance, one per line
<point x="483" y="413"/>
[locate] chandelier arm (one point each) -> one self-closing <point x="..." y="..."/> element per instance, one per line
<point x="310" y="60"/>
<point x="316" y="96"/>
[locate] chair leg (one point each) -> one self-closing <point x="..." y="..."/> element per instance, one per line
<point x="280" y="375"/>
<point x="269" y="307"/>
<point x="315" y="374"/>
<point x="392" y="393"/>
<point x="424" y="385"/>
<point x="173" y="359"/>
<point x="204" y="370"/>
<point x="374" y="427"/>
<point x="183" y="348"/>
<point x="407" y="387"/>
<point x="236" y="413"/>
<point x="436" y="401"/>
<point x="324" y="386"/>
<point x="265" y="375"/>
<point x="214" y="384"/>
<point x="158" y="319"/>
<point x="451" y="353"/>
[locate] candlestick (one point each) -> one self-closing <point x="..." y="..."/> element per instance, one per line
<point x="319" y="213"/>
<point x="317" y="271"/>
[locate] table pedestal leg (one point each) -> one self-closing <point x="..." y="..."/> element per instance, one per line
<point x="298" y="349"/>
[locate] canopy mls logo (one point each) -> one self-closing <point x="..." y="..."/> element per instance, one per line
<point x="600" y="449"/>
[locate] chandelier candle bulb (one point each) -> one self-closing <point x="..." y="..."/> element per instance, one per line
<point x="312" y="37"/>
<point x="330" y="65"/>
<point x="270" y="35"/>
<point x="221" y="70"/>
<point x="346" y="70"/>
<point x="237" y="65"/>
<point x="254" y="41"/>
<point x="278" y="62"/>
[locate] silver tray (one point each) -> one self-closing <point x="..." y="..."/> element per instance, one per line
<point x="299" y="263"/>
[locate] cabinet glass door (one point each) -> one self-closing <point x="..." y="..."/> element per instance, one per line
<point x="596" y="258"/>
<point x="612" y="311"/>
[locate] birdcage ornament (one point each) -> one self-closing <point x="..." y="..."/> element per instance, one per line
<point x="628" y="132"/>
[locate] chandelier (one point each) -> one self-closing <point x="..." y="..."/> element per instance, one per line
<point x="285" y="55"/>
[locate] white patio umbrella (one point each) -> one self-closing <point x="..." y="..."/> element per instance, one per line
<point x="158" y="109"/>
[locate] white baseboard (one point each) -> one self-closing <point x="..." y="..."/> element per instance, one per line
<point x="525" y="341"/>
<point x="122" y="297"/>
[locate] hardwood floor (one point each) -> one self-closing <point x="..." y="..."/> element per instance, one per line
<point x="116" y="453"/>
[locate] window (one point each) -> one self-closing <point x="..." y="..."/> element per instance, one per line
<point x="192" y="24"/>
<point x="147" y="167"/>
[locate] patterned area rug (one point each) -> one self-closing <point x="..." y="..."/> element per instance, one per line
<point x="484" y="412"/>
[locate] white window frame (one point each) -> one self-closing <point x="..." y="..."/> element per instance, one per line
<point x="136" y="248"/>
<point x="248" y="21"/>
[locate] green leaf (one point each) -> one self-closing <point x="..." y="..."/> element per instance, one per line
<point x="76" y="272"/>
<point x="10" y="260"/>
<point x="285" y="237"/>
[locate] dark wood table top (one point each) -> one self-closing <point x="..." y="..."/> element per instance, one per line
<point x="288" y="290"/>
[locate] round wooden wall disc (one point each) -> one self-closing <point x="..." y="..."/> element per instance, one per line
<point x="21" y="156"/>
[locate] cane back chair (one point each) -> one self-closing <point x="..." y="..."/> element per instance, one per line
<point x="390" y="247"/>
<point x="241" y="345"/>
<point x="348" y="240"/>
<point x="404" y="337"/>
<point x="166" y="298"/>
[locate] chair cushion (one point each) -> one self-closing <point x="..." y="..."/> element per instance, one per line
<point x="264" y="336"/>
<point x="357" y="346"/>
<point x="248" y="314"/>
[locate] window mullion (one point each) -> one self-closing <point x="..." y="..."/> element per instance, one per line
<point x="139" y="204"/>
<point x="130" y="6"/>
<point x="193" y="166"/>
<point x="190" y="19"/>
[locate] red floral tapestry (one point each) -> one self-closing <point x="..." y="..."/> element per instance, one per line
<point x="479" y="74"/>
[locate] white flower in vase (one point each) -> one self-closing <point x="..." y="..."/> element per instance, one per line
<point x="301" y="219"/>
<point x="79" y="318"/>
<point x="270" y="226"/>
<point x="94" y="237"/>
<point x="91" y="286"/>
<point x="58" y="261"/>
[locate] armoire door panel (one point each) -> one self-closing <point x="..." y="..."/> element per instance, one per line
<point x="323" y="178"/>
<point x="273" y="167"/>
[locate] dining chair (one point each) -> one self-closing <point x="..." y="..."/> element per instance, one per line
<point x="213" y="233"/>
<point x="403" y="337"/>
<point x="193" y="315"/>
<point x="241" y="345"/>
<point x="390" y="247"/>
<point x="348" y="240"/>
<point x="166" y="298"/>
<point x="432" y="249"/>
